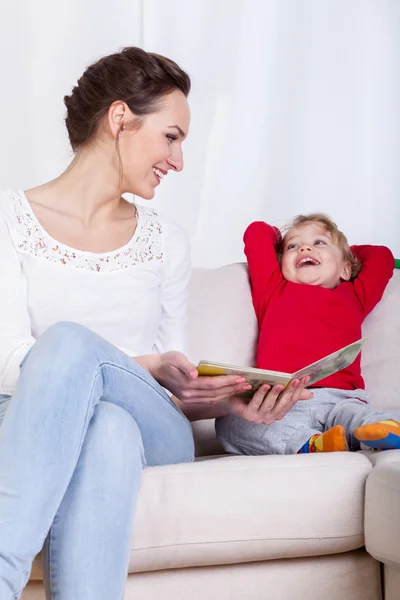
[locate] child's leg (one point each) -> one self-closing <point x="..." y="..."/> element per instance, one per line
<point x="287" y="436"/>
<point x="364" y="424"/>
<point x="332" y="437"/>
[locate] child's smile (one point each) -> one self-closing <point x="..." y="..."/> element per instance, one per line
<point x="311" y="257"/>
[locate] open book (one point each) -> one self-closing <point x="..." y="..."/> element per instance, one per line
<point x="256" y="377"/>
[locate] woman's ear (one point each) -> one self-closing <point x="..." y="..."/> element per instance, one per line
<point x="116" y="116"/>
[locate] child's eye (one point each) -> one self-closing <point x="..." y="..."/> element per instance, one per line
<point x="291" y="246"/>
<point x="317" y="242"/>
<point x="171" y="138"/>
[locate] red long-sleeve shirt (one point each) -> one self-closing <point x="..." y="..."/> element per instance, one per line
<point x="300" y="324"/>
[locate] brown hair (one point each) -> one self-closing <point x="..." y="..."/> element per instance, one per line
<point x="338" y="237"/>
<point x="132" y="75"/>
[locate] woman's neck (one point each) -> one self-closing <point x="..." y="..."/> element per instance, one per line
<point x="88" y="189"/>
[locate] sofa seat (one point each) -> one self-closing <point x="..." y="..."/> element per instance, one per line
<point x="238" y="509"/>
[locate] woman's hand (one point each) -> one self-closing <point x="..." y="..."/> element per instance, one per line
<point x="270" y="404"/>
<point x="178" y="375"/>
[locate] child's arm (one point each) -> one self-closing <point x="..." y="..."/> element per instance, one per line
<point x="265" y="273"/>
<point x="377" y="269"/>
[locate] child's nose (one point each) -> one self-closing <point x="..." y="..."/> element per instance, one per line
<point x="305" y="248"/>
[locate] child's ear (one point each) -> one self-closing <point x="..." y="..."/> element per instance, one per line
<point x="346" y="272"/>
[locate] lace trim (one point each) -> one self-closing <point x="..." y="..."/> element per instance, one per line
<point x="145" y="246"/>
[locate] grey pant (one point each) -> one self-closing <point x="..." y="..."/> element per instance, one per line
<point x="328" y="407"/>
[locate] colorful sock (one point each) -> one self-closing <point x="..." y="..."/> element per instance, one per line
<point x="383" y="435"/>
<point x="332" y="440"/>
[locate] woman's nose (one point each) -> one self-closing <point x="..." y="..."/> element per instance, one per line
<point x="176" y="160"/>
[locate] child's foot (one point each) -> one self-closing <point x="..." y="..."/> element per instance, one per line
<point x="332" y="440"/>
<point x="383" y="435"/>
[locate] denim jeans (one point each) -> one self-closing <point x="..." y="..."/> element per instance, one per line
<point x="83" y="422"/>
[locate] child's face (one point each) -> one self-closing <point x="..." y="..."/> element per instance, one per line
<point x="311" y="257"/>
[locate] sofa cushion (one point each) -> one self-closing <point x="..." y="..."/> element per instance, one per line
<point x="236" y="509"/>
<point x="221" y="322"/>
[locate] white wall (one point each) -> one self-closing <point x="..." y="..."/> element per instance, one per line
<point x="44" y="48"/>
<point x="295" y="106"/>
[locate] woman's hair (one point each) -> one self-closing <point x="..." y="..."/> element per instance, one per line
<point x="134" y="76"/>
<point x="337" y="236"/>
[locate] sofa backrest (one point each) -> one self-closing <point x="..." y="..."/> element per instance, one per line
<point x="380" y="361"/>
<point x="222" y="327"/>
<point x="221" y="322"/>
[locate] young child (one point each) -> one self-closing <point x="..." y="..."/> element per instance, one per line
<point x="311" y="293"/>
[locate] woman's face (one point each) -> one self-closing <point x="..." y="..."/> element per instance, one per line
<point x="147" y="154"/>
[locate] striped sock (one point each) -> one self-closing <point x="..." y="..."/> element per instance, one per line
<point x="332" y="440"/>
<point x="383" y="435"/>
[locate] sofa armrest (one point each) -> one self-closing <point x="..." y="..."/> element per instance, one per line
<point x="382" y="514"/>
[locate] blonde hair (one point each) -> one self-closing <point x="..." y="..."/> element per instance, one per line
<point x="330" y="226"/>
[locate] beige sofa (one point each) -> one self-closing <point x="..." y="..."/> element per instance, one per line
<point x="274" y="527"/>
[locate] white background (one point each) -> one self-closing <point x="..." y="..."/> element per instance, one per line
<point x="295" y="106"/>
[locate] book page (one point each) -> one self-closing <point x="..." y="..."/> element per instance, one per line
<point x="330" y="364"/>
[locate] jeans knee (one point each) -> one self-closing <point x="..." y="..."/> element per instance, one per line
<point x="66" y="340"/>
<point x="115" y="439"/>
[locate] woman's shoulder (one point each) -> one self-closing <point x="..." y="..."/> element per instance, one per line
<point x="10" y="200"/>
<point x="161" y="225"/>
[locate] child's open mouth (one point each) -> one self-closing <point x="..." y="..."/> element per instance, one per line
<point x="307" y="261"/>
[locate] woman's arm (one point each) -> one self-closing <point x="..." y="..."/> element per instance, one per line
<point x="15" y="326"/>
<point x="177" y="374"/>
<point x="174" y="290"/>
<point x="198" y="412"/>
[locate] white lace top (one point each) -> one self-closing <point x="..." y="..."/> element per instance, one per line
<point x="135" y="296"/>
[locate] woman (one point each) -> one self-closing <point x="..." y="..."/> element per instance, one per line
<point x="91" y="323"/>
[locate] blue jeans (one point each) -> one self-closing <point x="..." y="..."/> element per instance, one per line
<point x="83" y="422"/>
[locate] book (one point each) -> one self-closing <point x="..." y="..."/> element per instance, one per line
<point x="256" y="377"/>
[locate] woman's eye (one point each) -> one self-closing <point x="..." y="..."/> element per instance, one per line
<point x="171" y="138"/>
